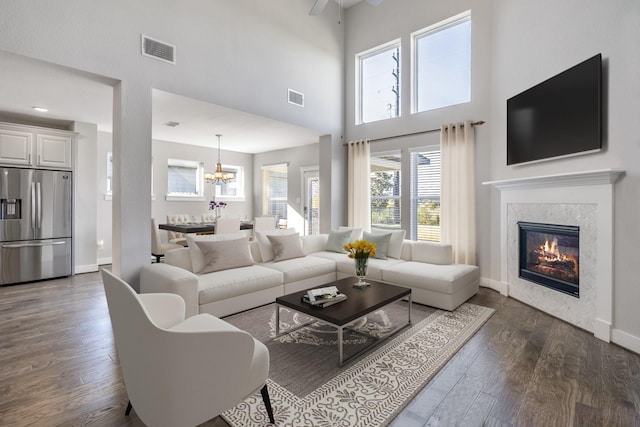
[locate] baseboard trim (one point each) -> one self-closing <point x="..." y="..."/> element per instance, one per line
<point x="104" y="261"/>
<point x="602" y="330"/>
<point x="503" y="288"/>
<point x="89" y="268"/>
<point x="626" y="340"/>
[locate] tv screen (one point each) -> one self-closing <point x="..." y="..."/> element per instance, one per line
<point x="561" y="116"/>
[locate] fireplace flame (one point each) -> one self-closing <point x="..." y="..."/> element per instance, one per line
<point x="551" y="253"/>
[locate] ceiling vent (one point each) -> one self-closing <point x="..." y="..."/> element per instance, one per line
<point x="296" y="98"/>
<point x="158" y="50"/>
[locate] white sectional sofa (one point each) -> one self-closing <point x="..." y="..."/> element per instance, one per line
<point x="301" y="263"/>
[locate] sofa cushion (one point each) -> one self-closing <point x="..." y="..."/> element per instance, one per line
<point x="197" y="258"/>
<point x="447" y="279"/>
<point x="286" y="247"/>
<point x="431" y="252"/>
<point x="266" y="250"/>
<point x="381" y="241"/>
<point x="297" y="269"/>
<point x="337" y="239"/>
<point x="224" y="254"/>
<point x="234" y="282"/>
<point x="395" y="243"/>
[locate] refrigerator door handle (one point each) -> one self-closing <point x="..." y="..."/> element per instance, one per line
<point x="28" y="245"/>
<point x="33" y="204"/>
<point x="39" y="205"/>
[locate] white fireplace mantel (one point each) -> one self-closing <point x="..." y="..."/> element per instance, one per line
<point x="579" y="192"/>
<point x="574" y="179"/>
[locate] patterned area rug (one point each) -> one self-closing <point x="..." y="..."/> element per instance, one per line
<point x="307" y="387"/>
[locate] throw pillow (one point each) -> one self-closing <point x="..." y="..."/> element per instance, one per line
<point x="395" y="244"/>
<point x="286" y="247"/>
<point x="197" y="258"/>
<point x="264" y="245"/>
<point x="224" y="254"/>
<point x="381" y="241"/>
<point x="356" y="233"/>
<point x="337" y="240"/>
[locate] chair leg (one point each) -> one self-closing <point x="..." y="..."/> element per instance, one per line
<point x="267" y="403"/>
<point x="128" y="410"/>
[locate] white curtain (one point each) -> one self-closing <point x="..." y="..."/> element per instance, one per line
<point x="457" y="201"/>
<point x="359" y="194"/>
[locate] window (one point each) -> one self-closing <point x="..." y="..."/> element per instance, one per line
<point x="442" y="64"/>
<point x="184" y="178"/>
<point x="378" y="72"/>
<point x="385" y="190"/>
<point x="274" y="191"/>
<point x="233" y="189"/>
<point x="425" y="194"/>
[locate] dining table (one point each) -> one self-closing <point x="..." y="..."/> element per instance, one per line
<point x="200" y="227"/>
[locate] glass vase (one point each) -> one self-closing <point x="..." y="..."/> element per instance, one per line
<point x="361" y="271"/>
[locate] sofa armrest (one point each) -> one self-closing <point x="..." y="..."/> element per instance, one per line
<point x="314" y="243"/>
<point x="180" y="258"/>
<point x="165" y="278"/>
<point x="431" y="252"/>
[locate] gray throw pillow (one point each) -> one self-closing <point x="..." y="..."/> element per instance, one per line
<point x="286" y="246"/>
<point x="337" y="240"/>
<point x="381" y="241"/>
<point x="224" y="254"/>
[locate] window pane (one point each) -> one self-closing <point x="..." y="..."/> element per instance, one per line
<point x="425" y="195"/>
<point x="274" y="179"/>
<point x="233" y="188"/>
<point x="385" y="190"/>
<point x="443" y="66"/>
<point x="380" y="85"/>
<point x="183" y="178"/>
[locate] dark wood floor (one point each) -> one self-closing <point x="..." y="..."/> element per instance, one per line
<point x="58" y="367"/>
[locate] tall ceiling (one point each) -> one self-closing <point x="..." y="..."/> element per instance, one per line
<point x="71" y="95"/>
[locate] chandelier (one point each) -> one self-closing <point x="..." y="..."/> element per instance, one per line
<point x="218" y="175"/>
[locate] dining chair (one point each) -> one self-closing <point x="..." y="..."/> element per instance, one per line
<point x="227" y="225"/>
<point x="264" y="223"/>
<point x="175" y="237"/>
<point x="158" y="247"/>
<point x="177" y="371"/>
<point x="209" y="217"/>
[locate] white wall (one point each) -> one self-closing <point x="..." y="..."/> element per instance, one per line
<point x="534" y="40"/>
<point x="242" y="54"/>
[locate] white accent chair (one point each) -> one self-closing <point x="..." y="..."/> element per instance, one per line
<point x="264" y="223"/>
<point x="175" y="237"/>
<point x="227" y="225"/>
<point x="158" y="247"/>
<point x="181" y="372"/>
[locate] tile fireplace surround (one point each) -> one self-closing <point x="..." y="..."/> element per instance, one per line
<point x="584" y="199"/>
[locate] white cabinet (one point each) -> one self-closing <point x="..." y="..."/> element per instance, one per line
<point x="31" y="146"/>
<point x="15" y="147"/>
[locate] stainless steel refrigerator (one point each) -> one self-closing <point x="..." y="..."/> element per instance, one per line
<point x="35" y="224"/>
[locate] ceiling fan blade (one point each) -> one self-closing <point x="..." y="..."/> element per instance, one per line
<point x="318" y="7"/>
<point x="374" y="2"/>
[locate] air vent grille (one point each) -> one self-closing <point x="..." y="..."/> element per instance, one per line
<point x="158" y="50"/>
<point x="296" y="98"/>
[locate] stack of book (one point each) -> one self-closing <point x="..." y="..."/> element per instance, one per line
<point x="324" y="297"/>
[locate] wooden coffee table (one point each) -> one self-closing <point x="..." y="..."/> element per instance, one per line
<point x="359" y="303"/>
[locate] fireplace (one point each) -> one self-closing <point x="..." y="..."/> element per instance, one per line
<point x="549" y="256"/>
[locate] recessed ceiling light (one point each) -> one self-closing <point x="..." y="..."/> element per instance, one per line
<point x="40" y="109"/>
<point x="172" y="124"/>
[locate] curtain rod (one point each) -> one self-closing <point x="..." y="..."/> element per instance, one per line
<point x="478" y="123"/>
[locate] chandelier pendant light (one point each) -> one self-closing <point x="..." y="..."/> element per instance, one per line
<point x="218" y="175"/>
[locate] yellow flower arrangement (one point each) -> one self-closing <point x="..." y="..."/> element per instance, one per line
<point x="360" y="249"/>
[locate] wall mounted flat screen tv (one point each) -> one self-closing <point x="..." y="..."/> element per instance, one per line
<point x="561" y="116"/>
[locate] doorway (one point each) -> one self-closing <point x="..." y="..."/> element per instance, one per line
<point x="311" y="200"/>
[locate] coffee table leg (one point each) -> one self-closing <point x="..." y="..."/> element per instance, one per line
<point x="340" y="354"/>
<point x="277" y="319"/>
<point x="409" y="309"/>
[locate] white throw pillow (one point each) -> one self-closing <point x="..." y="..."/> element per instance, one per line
<point x="381" y="241"/>
<point x="224" y="254"/>
<point x="197" y="258"/>
<point x="356" y="233"/>
<point x="266" y="250"/>
<point x="286" y="247"/>
<point x="395" y="244"/>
